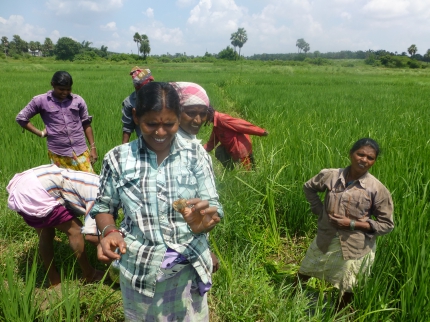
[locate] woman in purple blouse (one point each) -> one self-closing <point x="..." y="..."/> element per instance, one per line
<point x="67" y="123"/>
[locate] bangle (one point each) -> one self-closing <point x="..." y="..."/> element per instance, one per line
<point x="42" y="134"/>
<point x="93" y="144"/>
<point x="113" y="231"/>
<point x="93" y="147"/>
<point x="352" y="225"/>
<point x="104" y="229"/>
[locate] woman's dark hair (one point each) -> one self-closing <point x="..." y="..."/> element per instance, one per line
<point x="156" y="95"/>
<point x="365" y="142"/>
<point x="62" y="78"/>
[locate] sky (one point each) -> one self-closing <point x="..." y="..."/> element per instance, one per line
<point x="198" y="26"/>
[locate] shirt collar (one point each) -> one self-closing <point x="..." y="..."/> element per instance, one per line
<point x="344" y="172"/>
<point x="52" y="98"/>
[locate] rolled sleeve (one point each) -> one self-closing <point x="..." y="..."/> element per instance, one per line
<point x="205" y="178"/>
<point x="128" y="125"/>
<point x="383" y="214"/>
<point x="83" y="111"/>
<point x="28" y="112"/>
<point x="311" y="189"/>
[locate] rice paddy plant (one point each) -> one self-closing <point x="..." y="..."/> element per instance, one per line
<point x="313" y="115"/>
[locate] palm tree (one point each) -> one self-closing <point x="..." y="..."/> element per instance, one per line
<point x="145" y="48"/>
<point x="306" y="48"/>
<point x="412" y="50"/>
<point x="33" y="47"/>
<point x="5" y="43"/>
<point x="427" y="55"/>
<point x="48" y="47"/>
<point x="137" y="39"/>
<point x="241" y="38"/>
<point x="300" y="44"/>
<point x="234" y="40"/>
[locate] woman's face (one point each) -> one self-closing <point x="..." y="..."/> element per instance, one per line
<point x="158" y="129"/>
<point x="362" y="160"/>
<point x="193" y="117"/>
<point x="61" y="92"/>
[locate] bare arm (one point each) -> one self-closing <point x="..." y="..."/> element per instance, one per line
<point x="30" y="127"/>
<point x="88" y="130"/>
<point x="125" y="137"/>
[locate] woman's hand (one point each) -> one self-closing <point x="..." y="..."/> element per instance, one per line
<point x="338" y="221"/>
<point x="93" y="155"/>
<point x="199" y="216"/>
<point x="108" y="245"/>
<point x="215" y="263"/>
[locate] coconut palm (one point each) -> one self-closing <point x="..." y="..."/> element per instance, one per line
<point x="239" y="38"/>
<point x="137" y="39"/>
<point x="145" y="48"/>
<point x="412" y="50"/>
<point x="48" y="47"/>
<point x="5" y="44"/>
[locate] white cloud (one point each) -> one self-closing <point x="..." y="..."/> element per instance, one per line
<point x="55" y="35"/>
<point x="115" y="35"/>
<point x="111" y="26"/>
<point x="16" y="25"/>
<point x="157" y="32"/>
<point x="216" y="15"/>
<point x="184" y="3"/>
<point x="149" y="13"/>
<point x="65" y="7"/>
<point x="346" y="16"/>
<point x="386" y="9"/>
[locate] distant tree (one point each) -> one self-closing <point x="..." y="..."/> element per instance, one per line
<point x="5" y="44"/>
<point x="66" y="48"/>
<point x="427" y="56"/>
<point x="412" y="50"/>
<point x="103" y="50"/>
<point x="145" y="48"/>
<point x="301" y="44"/>
<point x="317" y="53"/>
<point x="48" y="47"/>
<point x="234" y="40"/>
<point x="85" y="45"/>
<point x="38" y="45"/>
<point x="137" y="39"/>
<point x="32" y="47"/>
<point x="227" y="53"/>
<point x="306" y="48"/>
<point x="19" y="44"/>
<point x="241" y="38"/>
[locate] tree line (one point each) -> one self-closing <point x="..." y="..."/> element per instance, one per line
<point x="69" y="49"/>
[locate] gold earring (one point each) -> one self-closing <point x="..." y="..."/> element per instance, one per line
<point x="156" y="132"/>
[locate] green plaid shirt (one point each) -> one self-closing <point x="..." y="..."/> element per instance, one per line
<point x="131" y="179"/>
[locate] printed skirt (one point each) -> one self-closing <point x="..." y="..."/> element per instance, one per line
<point x="76" y="162"/>
<point x="175" y="299"/>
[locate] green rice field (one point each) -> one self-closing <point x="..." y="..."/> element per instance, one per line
<point x="313" y="115"/>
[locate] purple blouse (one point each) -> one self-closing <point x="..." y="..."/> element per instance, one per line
<point x="63" y="121"/>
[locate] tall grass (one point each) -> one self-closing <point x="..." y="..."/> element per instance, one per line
<point x="313" y="116"/>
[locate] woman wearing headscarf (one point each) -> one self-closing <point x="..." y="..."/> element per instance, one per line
<point x="140" y="77"/>
<point x="233" y="136"/>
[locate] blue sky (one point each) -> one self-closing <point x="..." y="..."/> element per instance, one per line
<point x="197" y="26"/>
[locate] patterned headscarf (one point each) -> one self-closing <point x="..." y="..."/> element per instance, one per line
<point x="140" y="77"/>
<point x="191" y="94"/>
